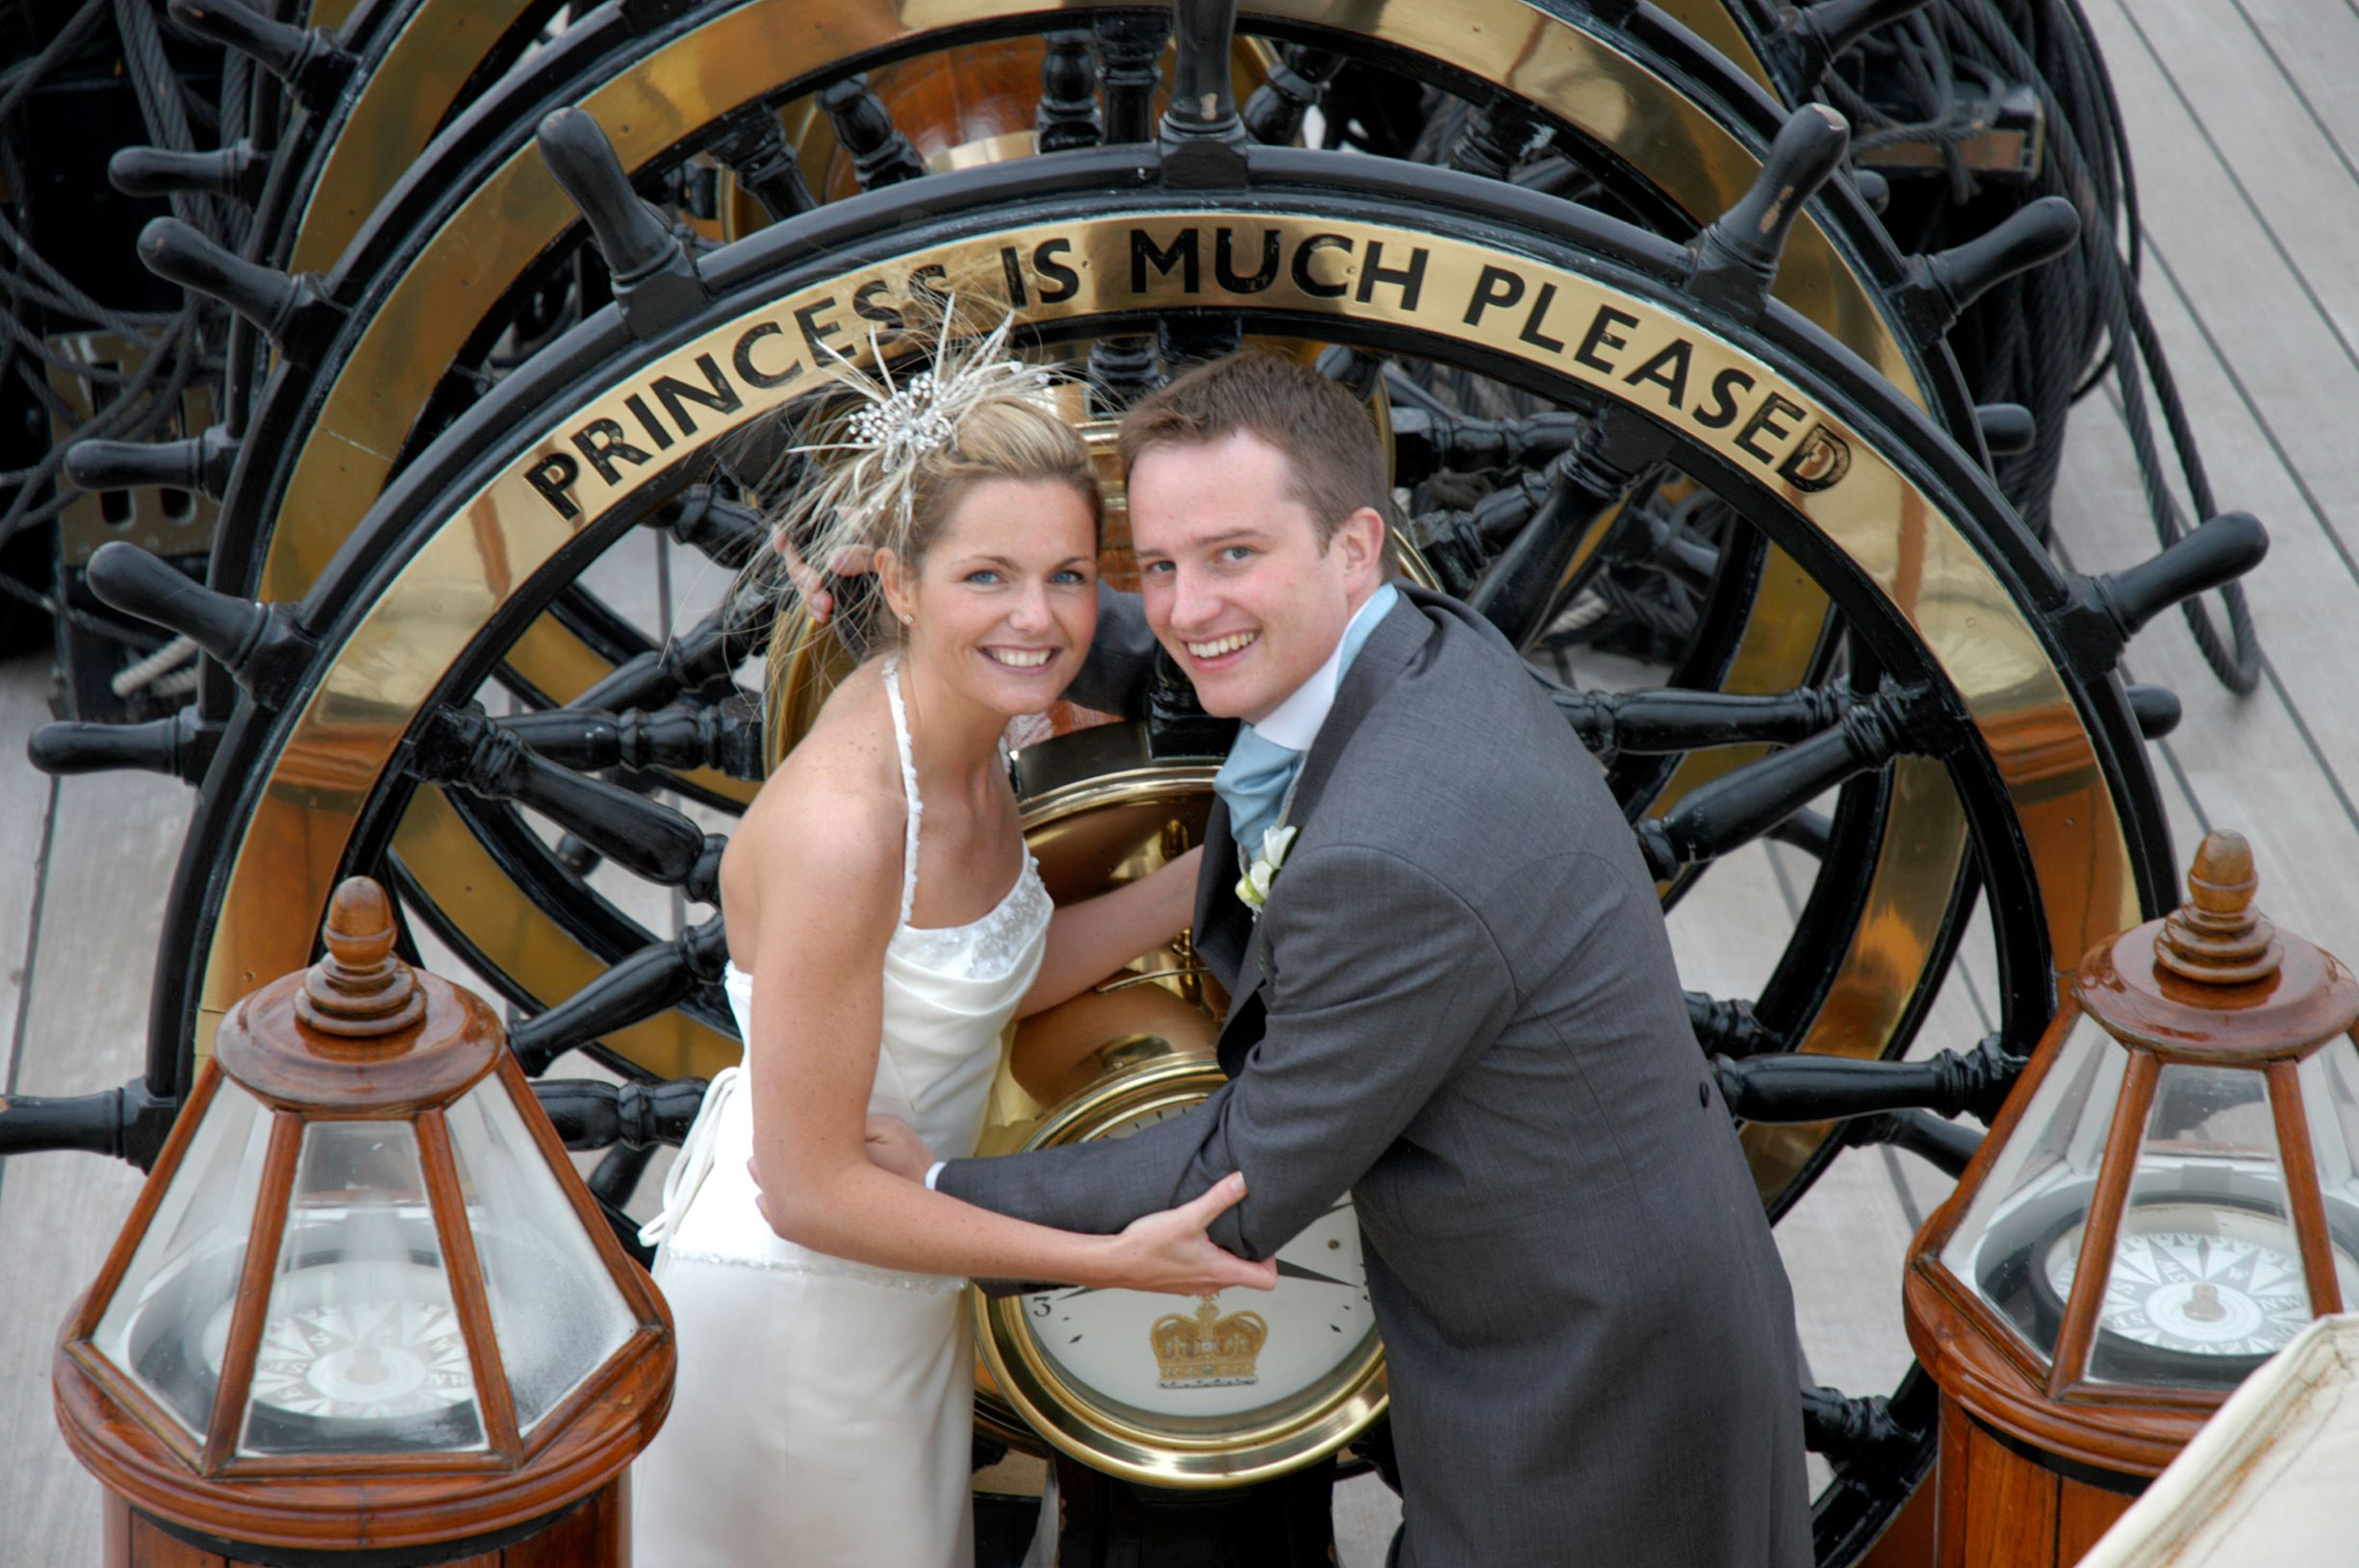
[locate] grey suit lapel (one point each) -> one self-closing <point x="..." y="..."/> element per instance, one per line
<point x="1380" y="660"/>
<point x="1216" y="928"/>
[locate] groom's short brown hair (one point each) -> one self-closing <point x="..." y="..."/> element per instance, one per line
<point x="1327" y="434"/>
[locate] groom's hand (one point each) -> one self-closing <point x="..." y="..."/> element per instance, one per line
<point x="893" y="1146"/>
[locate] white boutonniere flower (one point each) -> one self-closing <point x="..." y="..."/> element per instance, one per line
<point x="1254" y="886"/>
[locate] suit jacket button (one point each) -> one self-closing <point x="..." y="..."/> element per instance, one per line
<point x="1702" y="1092"/>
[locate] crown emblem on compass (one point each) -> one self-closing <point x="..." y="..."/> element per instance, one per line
<point x="1207" y="1350"/>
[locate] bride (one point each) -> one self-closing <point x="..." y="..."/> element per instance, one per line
<point x="885" y="922"/>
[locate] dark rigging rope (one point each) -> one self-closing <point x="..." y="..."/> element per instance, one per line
<point x="172" y="345"/>
<point x="2049" y="338"/>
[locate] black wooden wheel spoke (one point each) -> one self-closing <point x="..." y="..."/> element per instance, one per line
<point x="1130" y="60"/>
<point x="1797" y="1087"/>
<point x="1297" y="84"/>
<point x="754" y="146"/>
<point x="657" y="976"/>
<point x="1069" y="116"/>
<point x="704" y="654"/>
<point x="648" y="974"/>
<point x="462" y="749"/>
<point x="881" y="152"/>
<point x="1523" y="587"/>
<point x="1943" y="1145"/>
<point x="1123" y="368"/>
<point x="724" y="736"/>
<point x="1493" y="140"/>
<point x="1733" y="811"/>
<point x="590" y="1114"/>
<point x="1725" y="1026"/>
<point x="1203" y="107"/>
<point x="1429" y="439"/>
<point x="1856" y="1432"/>
<point x="725" y="531"/>
<point x="1874" y="1470"/>
<point x="1668" y="720"/>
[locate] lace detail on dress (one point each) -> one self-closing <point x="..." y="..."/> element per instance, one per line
<point x="985" y="949"/>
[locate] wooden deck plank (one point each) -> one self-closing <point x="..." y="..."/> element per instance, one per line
<point x="2312" y="43"/>
<point x="2287" y="176"/>
<point x="25" y="806"/>
<point x="2267" y="381"/>
<point x="1367" y="1513"/>
<point x="2252" y="310"/>
<point x="115" y="839"/>
<point x="2240" y="763"/>
<point x="1717" y="952"/>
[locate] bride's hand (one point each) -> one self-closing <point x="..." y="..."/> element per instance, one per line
<point x="892" y="1145"/>
<point x="810" y="585"/>
<point x="1170" y="1251"/>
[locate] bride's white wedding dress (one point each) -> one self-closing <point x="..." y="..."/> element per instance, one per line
<point x="824" y="1407"/>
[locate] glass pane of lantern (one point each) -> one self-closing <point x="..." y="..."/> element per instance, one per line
<point x="2329" y="1078"/>
<point x="169" y="1317"/>
<point x="2041" y="1182"/>
<point x="557" y="1313"/>
<point x="361" y="1352"/>
<point x="2206" y="1280"/>
<point x="2331" y="1099"/>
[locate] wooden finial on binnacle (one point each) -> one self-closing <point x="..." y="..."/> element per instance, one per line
<point x="360" y="990"/>
<point x="2217" y="937"/>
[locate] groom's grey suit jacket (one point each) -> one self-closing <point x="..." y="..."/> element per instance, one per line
<point x="1459" y="1004"/>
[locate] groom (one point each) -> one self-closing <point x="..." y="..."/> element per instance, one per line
<point x="1459" y="1005"/>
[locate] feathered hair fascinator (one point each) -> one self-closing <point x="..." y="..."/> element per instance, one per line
<point x="870" y="448"/>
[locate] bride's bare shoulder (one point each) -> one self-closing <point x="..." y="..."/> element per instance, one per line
<point x="833" y="808"/>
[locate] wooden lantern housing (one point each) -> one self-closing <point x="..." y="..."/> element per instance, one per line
<point x="2169" y="1193"/>
<point x="364" y="1310"/>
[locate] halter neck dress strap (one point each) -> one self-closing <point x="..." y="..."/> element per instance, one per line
<point x="909" y="784"/>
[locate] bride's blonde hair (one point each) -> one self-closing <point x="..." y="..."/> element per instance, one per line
<point x="880" y="458"/>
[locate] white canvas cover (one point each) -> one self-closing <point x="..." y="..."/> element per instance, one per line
<point x="2271" y="1481"/>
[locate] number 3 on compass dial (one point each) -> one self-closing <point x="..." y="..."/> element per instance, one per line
<point x="1197" y="1391"/>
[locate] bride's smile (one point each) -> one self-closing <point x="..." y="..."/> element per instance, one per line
<point x="1001" y="606"/>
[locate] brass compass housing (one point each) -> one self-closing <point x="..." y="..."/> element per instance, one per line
<point x="1164" y="1395"/>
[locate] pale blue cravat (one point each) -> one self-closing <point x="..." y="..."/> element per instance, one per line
<point x="1253" y="781"/>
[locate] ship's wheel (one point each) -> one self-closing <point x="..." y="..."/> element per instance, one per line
<point x="1871" y="630"/>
